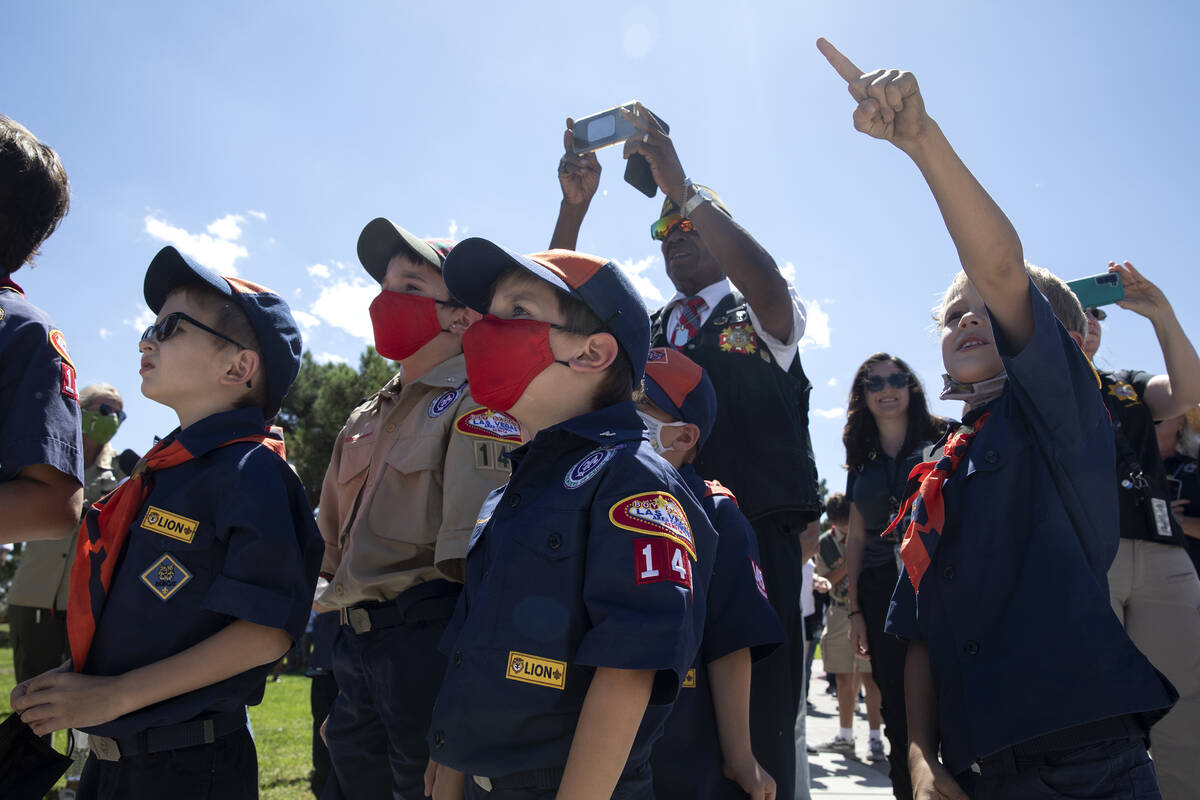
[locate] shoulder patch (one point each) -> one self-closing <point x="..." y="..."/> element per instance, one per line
<point x="442" y="403"/>
<point x="59" y="343"/>
<point x="587" y="467"/>
<point x="759" y="580"/>
<point x="712" y="488"/>
<point x="1189" y="468"/>
<point x="173" y="526"/>
<point x="483" y="423"/>
<point x="165" y="577"/>
<point x="2" y="313"/>
<point x="655" y="513"/>
<point x="658" y="354"/>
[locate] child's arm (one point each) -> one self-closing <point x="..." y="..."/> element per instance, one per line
<point x="56" y="700"/>
<point x="890" y="107"/>
<point x="612" y="711"/>
<point x="39" y="503"/>
<point x="930" y="780"/>
<point x="729" y="678"/>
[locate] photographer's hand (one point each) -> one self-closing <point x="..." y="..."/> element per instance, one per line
<point x="659" y="151"/>
<point x="579" y="177"/>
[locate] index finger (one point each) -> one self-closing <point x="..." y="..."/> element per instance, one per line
<point x="844" y="66"/>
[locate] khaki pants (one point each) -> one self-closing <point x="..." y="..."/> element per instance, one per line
<point x="1155" y="593"/>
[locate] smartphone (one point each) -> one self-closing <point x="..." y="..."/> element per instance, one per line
<point x="603" y="129"/>
<point x="1099" y="290"/>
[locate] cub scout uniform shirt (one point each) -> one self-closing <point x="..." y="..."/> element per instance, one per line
<point x="408" y="474"/>
<point x="225" y="536"/>
<point x="594" y="555"/>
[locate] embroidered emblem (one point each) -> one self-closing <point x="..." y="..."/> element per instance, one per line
<point x="2" y="312"/>
<point x="689" y="680"/>
<point x="442" y="402"/>
<point x="657" y="354"/>
<point x="658" y="560"/>
<point x="538" y="671"/>
<point x="68" y="382"/>
<point x="165" y="577"/>
<point x="588" y="466"/>
<point x="655" y="513"/>
<point x="483" y="423"/>
<point x="170" y="525"/>
<point x="1124" y="392"/>
<point x="59" y="343"/>
<point x="760" y="581"/>
<point x="1188" y="469"/>
<point x="739" y="338"/>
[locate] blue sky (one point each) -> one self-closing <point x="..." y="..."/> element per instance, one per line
<point x="261" y="137"/>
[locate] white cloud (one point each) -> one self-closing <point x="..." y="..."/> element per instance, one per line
<point x="816" y="329"/>
<point x="262" y="215"/>
<point x="213" y="252"/>
<point x="143" y="320"/>
<point x="344" y="304"/>
<point x="635" y="270"/>
<point x="829" y="413"/>
<point x="306" y="320"/>
<point x="330" y="358"/>
<point x="228" y="227"/>
<point x="319" y="271"/>
<point x="831" y="383"/>
<point x="104" y="333"/>
<point x="452" y="230"/>
<point x="788" y="271"/>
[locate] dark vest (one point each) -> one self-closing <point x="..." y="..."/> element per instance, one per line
<point x="759" y="446"/>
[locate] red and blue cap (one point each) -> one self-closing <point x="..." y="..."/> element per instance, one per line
<point x="680" y="387"/>
<point x="381" y="239"/>
<point x="475" y="265"/>
<point x="276" y="329"/>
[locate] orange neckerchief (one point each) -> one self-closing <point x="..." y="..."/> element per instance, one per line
<point x="928" y="509"/>
<point x="105" y="528"/>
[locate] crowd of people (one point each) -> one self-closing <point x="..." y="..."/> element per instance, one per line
<point x="566" y="550"/>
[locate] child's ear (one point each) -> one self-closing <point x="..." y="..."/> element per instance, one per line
<point x="463" y="318"/>
<point x="688" y="436"/>
<point x="599" y="351"/>
<point x="243" y="368"/>
<point x="1077" y="337"/>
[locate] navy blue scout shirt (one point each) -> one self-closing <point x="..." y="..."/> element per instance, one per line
<point x="1014" y="606"/>
<point x="877" y="491"/>
<point x="593" y="555"/>
<point x="228" y="535"/>
<point x="687" y="760"/>
<point x="39" y="404"/>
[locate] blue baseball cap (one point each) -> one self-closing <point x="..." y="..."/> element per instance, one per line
<point x="276" y="329"/>
<point x="681" y="387"/>
<point x="381" y="239"/>
<point x="475" y="264"/>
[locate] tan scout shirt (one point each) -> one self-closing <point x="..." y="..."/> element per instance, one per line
<point x="403" y="489"/>
<point x="43" y="575"/>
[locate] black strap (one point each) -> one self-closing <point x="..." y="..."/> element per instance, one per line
<point x="425" y="602"/>
<point x="187" y="734"/>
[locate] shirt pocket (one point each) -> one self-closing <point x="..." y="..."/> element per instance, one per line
<point x="406" y="501"/>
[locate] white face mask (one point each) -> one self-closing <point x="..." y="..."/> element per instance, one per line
<point x="654" y="430"/>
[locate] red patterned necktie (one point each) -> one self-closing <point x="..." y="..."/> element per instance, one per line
<point x="925" y="507"/>
<point x="689" y="319"/>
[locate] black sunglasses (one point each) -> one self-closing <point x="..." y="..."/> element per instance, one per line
<point x="161" y="331"/>
<point x="106" y="410"/>
<point x="897" y="380"/>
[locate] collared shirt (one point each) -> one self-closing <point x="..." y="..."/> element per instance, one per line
<point x="877" y="489"/>
<point x="1014" y="607"/>
<point x="226" y="536"/>
<point x="39" y="405"/>
<point x="43" y="575"/>
<point x="784" y="351"/>
<point x="400" y="496"/>
<point x="594" y="555"/>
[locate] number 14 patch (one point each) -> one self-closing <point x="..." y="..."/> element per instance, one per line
<point x="656" y="560"/>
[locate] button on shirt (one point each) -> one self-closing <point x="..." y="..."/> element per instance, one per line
<point x="1014" y="607"/>
<point x="39" y="407"/>
<point x="225" y="536"/>
<point x="594" y="555"/>
<point x="399" y="499"/>
<point x="784" y="352"/>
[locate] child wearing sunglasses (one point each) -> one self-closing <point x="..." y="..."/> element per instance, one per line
<point x="1019" y="680"/>
<point x="196" y="574"/>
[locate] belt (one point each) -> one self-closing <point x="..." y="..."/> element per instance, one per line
<point x="1005" y="762"/>
<point x="168" y="737"/>
<point x="546" y="779"/>
<point x="425" y="602"/>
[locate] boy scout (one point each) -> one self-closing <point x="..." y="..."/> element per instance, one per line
<point x="409" y="470"/>
<point x="195" y="574"/>
<point x="587" y="573"/>
<point x="41" y="452"/>
<point x="705" y="749"/>
<point x="1016" y="661"/>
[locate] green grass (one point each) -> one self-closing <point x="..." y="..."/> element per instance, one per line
<point x="282" y="730"/>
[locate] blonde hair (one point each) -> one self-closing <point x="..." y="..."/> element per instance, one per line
<point x="1063" y="301"/>
<point x="93" y="390"/>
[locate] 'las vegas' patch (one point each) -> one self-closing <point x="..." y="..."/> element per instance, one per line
<point x="483" y="423"/>
<point x="165" y="577"/>
<point x="655" y="513"/>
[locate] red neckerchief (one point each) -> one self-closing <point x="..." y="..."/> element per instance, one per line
<point x="8" y="283"/>
<point x="925" y="507"/>
<point x="103" y="533"/>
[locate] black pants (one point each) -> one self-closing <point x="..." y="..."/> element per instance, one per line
<point x="875" y="586"/>
<point x="320" y="699"/>
<point x="39" y="640"/>
<point x="777" y="681"/>
<point x="227" y="769"/>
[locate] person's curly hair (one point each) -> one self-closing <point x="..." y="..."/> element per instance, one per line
<point x="34" y="194"/>
<point x="861" y="435"/>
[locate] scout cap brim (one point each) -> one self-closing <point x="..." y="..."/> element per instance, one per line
<point x="381" y="239"/>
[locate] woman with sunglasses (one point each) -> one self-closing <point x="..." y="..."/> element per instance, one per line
<point x="888" y="425"/>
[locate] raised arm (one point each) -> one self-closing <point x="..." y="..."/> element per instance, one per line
<point x="579" y="177"/>
<point x="890" y="107"/>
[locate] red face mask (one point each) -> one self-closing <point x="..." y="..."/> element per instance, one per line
<point x="503" y="356"/>
<point x="403" y="323"/>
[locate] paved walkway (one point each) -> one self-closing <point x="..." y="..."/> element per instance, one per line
<point x="834" y="775"/>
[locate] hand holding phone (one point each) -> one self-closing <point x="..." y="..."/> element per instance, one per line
<point x="1098" y="290"/>
<point x="630" y="123"/>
